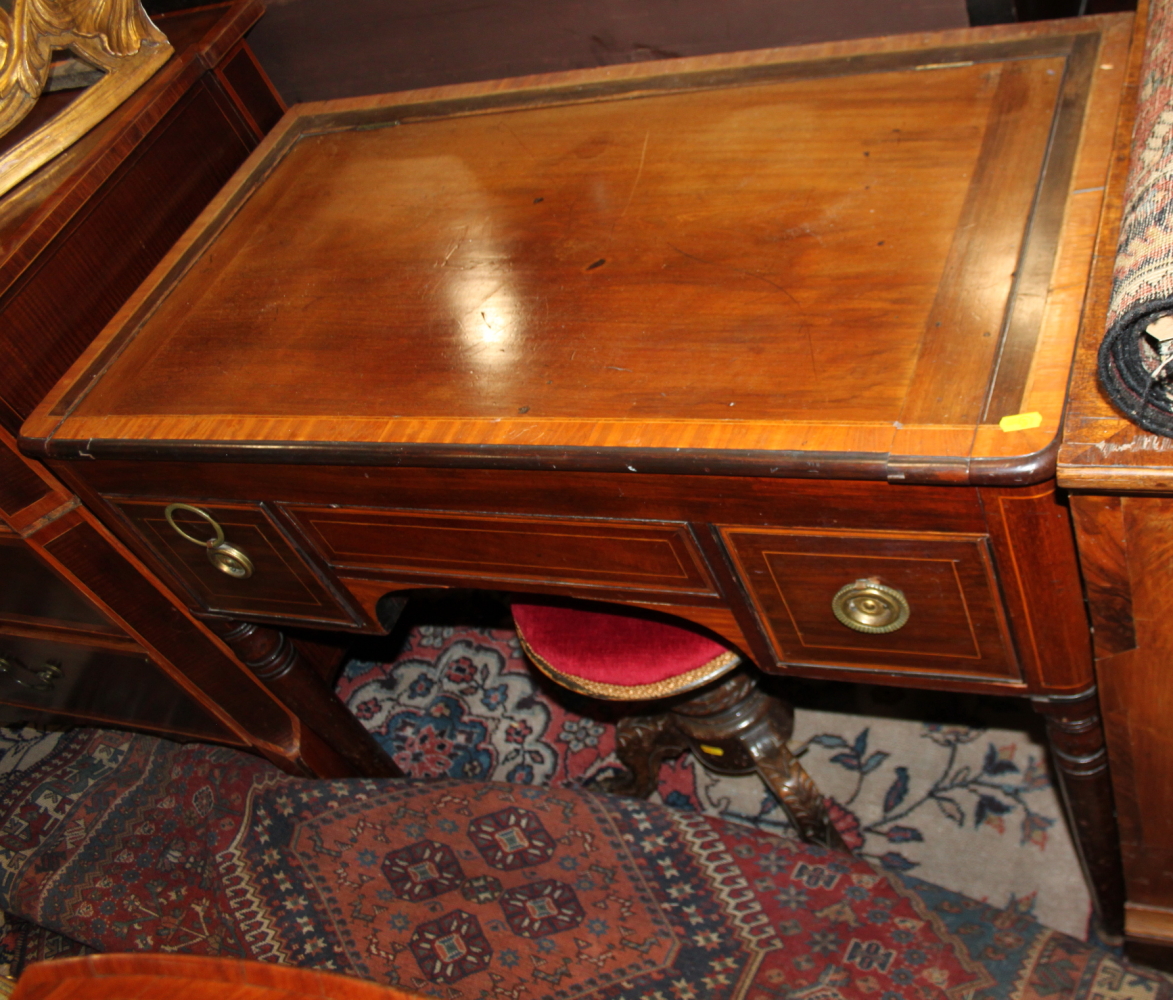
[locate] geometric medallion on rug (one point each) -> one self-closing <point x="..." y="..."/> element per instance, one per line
<point x="968" y="806"/>
<point x="467" y="890"/>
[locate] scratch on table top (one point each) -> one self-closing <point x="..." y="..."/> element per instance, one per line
<point x="635" y="183"/>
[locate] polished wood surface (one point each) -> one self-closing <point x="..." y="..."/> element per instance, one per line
<point x="530" y="265"/>
<point x="291" y="587"/>
<point x="957" y="626"/>
<point x="93" y="610"/>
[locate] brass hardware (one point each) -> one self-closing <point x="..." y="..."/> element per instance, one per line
<point x="231" y="560"/>
<point x="210" y="543"/>
<point x="870" y="606"/>
<point x="228" y="559"/>
<point x="46" y="674"/>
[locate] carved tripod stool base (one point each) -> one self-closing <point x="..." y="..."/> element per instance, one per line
<point x="733" y="727"/>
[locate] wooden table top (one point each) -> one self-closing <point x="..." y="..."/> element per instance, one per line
<point x="851" y="260"/>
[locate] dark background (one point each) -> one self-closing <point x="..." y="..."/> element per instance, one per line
<point x="320" y="49"/>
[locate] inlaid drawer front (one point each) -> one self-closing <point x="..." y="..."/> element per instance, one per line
<point x="98" y="685"/>
<point x="254" y="569"/>
<point x="31" y="593"/>
<point x="917" y="602"/>
<point x="632" y="555"/>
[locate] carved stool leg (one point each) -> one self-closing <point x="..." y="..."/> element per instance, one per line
<point x="279" y="665"/>
<point x="644" y="743"/>
<point x="1081" y="761"/>
<point x="734" y="727"/>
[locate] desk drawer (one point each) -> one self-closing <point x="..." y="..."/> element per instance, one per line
<point x="281" y="583"/>
<point x="41" y="676"/>
<point x="656" y="557"/>
<point x="955" y="623"/>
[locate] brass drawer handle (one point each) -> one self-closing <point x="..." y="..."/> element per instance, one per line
<point x="226" y="558"/>
<point x="46" y="674"/>
<point x="870" y="606"/>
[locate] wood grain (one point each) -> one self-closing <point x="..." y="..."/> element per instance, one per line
<point x="1103" y="558"/>
<point x="1030" y="530"/>
<point x="563" y="252"/>
<point x="282" y="583"/>
<point x="1101" y="450"/>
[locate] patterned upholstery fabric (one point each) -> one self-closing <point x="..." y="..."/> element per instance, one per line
<point x="463" y="889"/>
<point x="1131" y="362"/>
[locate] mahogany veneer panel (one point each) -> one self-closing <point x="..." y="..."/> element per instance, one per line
<point x="78" y="236"/>
<point x="955" y="625"/>
<point x="31" y="593"/>
<point x="502" y="550"/>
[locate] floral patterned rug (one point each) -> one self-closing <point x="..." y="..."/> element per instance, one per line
<point x="955" y="790"/>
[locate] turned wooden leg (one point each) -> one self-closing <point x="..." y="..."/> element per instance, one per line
<point x="1081" y="762"/>
<point x="644" y="742"/>
<point x="798" y="793"/>
<point x="279" y="665"/>
<point x="734" y="727"/>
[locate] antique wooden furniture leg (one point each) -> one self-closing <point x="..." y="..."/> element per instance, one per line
<point x="735" y="728"/>
<point x="644" y="743"/>
<point x="1080" y="758"/>
<point x="276" y="661"/>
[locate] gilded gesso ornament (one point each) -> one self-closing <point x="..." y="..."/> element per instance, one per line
<point x="115" y="36"/>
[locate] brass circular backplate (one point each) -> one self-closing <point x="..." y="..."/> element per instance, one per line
<point x="230" y="560"/>
<point x="870" y="606"/>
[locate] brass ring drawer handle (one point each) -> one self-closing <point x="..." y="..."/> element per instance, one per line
<point x="228" y="559"/>
<point x="870" y="606"/>
<point x="45" y="674"/>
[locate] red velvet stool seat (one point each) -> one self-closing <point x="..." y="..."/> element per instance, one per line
<point x="716" y="708"/>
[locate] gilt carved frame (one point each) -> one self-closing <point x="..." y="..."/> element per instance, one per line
<point x="115" y="36"/>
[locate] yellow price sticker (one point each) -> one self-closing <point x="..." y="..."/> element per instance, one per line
<point x="1021" y="422"/>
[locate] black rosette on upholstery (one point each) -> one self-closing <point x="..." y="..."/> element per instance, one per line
<point x="1136" y="370"/>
